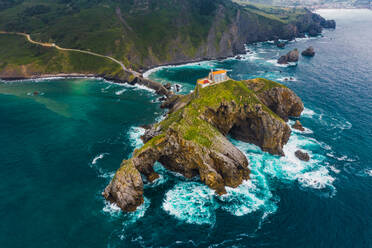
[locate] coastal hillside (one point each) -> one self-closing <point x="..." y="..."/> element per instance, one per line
<point x="20" y="59"/>
<point x="312" y="3"/>
<point x="147" y="33"/>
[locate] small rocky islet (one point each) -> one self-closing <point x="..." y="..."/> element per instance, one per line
<point x="192" y="140"/>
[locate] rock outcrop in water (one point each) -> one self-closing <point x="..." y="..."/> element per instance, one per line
<point x="304" y="156"/>
<point x="308" y="52"/>
<point x="298" y="126"/>
<point x="192" y="139"/>
<point x="291" y="56"/>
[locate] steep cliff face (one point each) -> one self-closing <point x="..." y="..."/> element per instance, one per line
<point x="192" y="139"/>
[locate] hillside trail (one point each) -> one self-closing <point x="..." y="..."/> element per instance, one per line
<point x="45" y="44"/>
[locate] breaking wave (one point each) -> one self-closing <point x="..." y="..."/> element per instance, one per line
<point x="135" y="134"/>
<point x="119" y="92"/>
<point x="194" y="202"/>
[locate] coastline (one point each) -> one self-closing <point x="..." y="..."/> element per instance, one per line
<point x="153" y="69"/>
<point x="50" y="76"/>
<point x="156" y="86"/>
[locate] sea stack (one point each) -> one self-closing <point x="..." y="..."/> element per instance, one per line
<point x="302" y="155"/>
<point x="291" y="56"/>
<point x="298" y="126"/>
<point x="308" y="52"/>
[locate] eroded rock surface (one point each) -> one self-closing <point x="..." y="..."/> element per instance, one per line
<point x="308" y="52"/>
<point x="291" y="56"/>
<point x="304" y="156"/>
<point x="298" y="126"/>
<point x="192" y="139"/>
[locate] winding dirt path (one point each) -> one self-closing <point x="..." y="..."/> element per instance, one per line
<point x="44" y="44"/>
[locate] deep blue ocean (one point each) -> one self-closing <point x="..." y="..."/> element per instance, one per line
<point x="63" y="139"/>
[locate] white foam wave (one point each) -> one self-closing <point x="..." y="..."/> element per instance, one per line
<point x="119" y="92"/>
<point x="340" y="158"/>
<point x="275" y="62"/>
<point x="191" y="202"/>
<point x="368" y="172"/>
<point x="111" y="209"/>
<point x="142" y="87"/>
<point x="287" y="79"/>
<point x="101" y="172"/>
<point x="249" y="197"/>
<point x="308" y="113"/>
<point x="306" y="131"/>
<point x="98" y="157"/>
<point x="194" y="202"/>
<point x="317" y="179"/>
<point x="135" y="134"/>
<point x="114" y="211"/>
<point x="334" y="169"/>
<point x="289" y="168"/>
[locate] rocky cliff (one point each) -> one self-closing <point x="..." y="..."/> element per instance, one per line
<point x="192" y="139"/>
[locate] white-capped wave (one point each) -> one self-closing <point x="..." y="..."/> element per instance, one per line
<point x="135" y="134"/>
<point x="275" y="62"/>
<point x="111" y="209"/>
<point x="119" y="92"/>
<point x="142" y="87"/>
<point x="115" y="212"/>
<point x="286" y="79"/>
<point x="308" y="113"/>
<point x="191" y="202"/>
<point x="99" y="170"/>
<point x="98" y="157"/>
<point x="306" y="130"/>
<point x="340" y="158"/>
<point x="317" y="179"/>
<point x="368" y="172"/>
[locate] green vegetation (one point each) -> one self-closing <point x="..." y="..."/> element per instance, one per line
<point x="263" y="84"/>
<point x="138" y="33"/>
<point x="19" y="57"/>
<point x="187" y="122"/>
<point x="281" y="14"/>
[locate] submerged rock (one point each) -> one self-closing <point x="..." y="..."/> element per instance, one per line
<point x="309" y="52"/>
<point x="291" y="56"/>
<point x="298" y="126"/>
<point x="192" y="139"/>
<point x="302" y="155"/>
<point x="280" y="44"/>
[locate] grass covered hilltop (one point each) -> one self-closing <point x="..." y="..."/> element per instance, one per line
<point x="141" y="34"/>
<point x="192" y="139"/>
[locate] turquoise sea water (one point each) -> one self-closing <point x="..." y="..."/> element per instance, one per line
<point x="61" y="146"/>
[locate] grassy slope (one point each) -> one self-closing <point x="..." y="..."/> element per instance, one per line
<point x="94" y="25"/>
<point x="281" y="14"/>
<point x="157" y="28"/>
<point x="187" y="122"/>
<point x="16" y="51"/>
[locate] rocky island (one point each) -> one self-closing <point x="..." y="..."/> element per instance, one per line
<point x="192" y="140"/>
